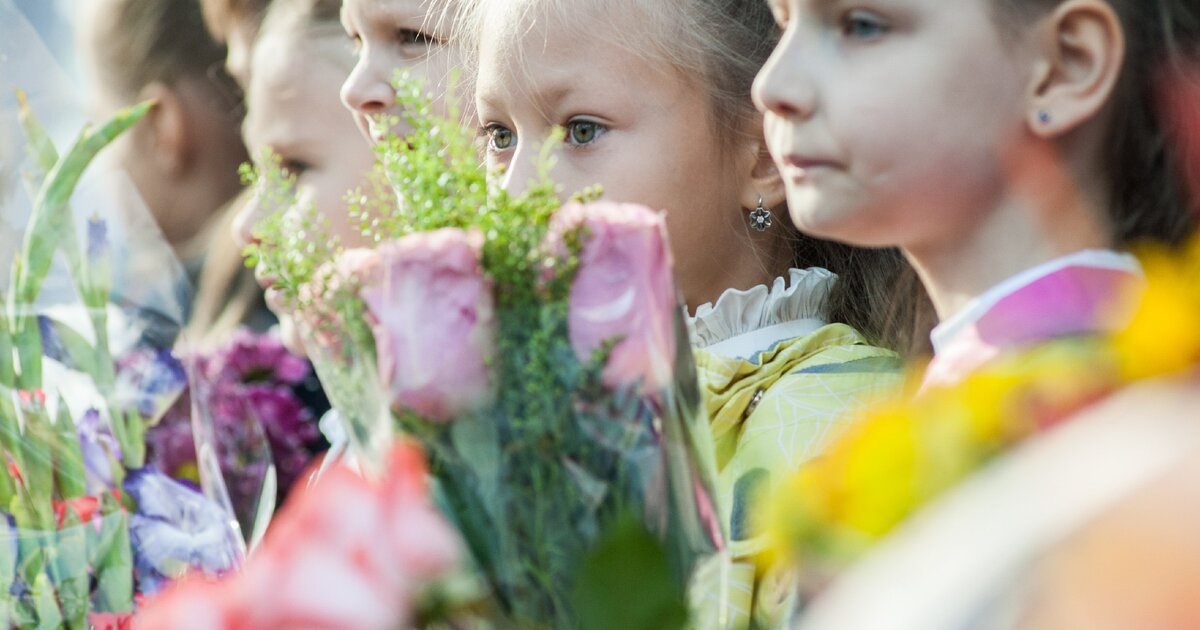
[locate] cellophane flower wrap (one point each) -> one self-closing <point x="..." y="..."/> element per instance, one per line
<point x="536" y="351"/>
<point x="259" y="403"/>
<point x="345" y="552"/>
<point x="86" y="527"/>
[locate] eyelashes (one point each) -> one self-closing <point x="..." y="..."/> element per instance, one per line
<point x="579" y="133"/>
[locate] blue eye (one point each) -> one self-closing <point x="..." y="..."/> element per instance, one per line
<point x="500" y="138"/>
<point x="863" y="25"/>
<point x="581" y="133"/>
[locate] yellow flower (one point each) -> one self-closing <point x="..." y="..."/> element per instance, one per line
<point x="879" y="476"/>
<point x="1164" y="333"/>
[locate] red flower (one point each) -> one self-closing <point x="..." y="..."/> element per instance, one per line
<point x="110" y="621"/>
<point x="348" y="553"/>
<point x="28" y="398"/>
<point x="83" y="507"/>
<point x="14" y="471"/>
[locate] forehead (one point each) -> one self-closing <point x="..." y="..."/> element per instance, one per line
<point x="371" y="12"/>
<point x="552" y="37"/>
<point x="291" y="79"/>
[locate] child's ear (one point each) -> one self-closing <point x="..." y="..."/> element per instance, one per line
<point x="1082" y="50"/>
<point x="168" y="140"/>
<point x="764" y="179"/>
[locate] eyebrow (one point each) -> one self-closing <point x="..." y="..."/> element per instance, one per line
<point x="545" y="99"/>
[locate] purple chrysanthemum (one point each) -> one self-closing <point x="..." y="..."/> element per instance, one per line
<point x="248" y="391"/>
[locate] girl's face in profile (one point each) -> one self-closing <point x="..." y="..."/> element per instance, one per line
<point x="892" y="122"/>
<point x="392" y="35"/>
<point x="633" y="126"/>
<point x="294" y="112"/>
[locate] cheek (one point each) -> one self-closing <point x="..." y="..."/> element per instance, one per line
<point x="626" y="176"/>
<point x="437" y="72"/>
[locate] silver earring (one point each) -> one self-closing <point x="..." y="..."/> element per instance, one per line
<point x="760" y="217"/>
<point x="1043" y="116"/>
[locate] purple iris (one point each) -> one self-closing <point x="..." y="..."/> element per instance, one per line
<point x="149" y="380"/>
<point x="97" y="238"/>
<point x="100" y="450"/>
<point x="176" y="529"/>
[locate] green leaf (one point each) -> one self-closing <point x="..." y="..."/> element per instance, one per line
<point x="39" y="466"/>
<point x="69" y="472"/>
<point x="44" y="602"/>
<point x="10" y="435"/>
<point x="8" y="571"/>
<point x="51" y="228"/>
<point x="626" y="582"/>
<point x="44" y="153"/>
<point x="69" y="570"/>
<point x="67" y="346"/>
<point x="7" y="369"/>
<point x="46" y="224"/>
<point x="112" y="560"/>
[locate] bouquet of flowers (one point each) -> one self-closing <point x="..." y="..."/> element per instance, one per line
<point x="536" y="351"/>
<point x="345" y="552"/>
<point x="261" y="401"/>
<point x="86" y="527"/>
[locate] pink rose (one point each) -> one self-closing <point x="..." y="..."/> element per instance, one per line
<point x="348" y="553"/>
<point x="623" y="291"/>
<point x="431" y="310"/>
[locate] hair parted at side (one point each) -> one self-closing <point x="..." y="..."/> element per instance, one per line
<point x="719" y="46"/>
<point x="1143" y="155"/>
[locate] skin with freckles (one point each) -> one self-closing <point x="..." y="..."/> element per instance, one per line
<point x="293" y="110"/>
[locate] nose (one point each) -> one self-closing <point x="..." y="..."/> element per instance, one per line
<point x="367" y="90"/>
<point x="521" y="172"/>
<point x="781" y="88"/>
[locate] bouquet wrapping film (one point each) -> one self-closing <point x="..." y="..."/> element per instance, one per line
<point x="535" y="350"/>
<point x="86" y="528"/>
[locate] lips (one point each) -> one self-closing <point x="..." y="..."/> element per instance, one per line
<point x="798" y="166"/>
<point x="804" y="162"/>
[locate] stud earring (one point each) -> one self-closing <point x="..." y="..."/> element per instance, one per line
<point x="760" y="217"/>
<point x="1043" y="116"/>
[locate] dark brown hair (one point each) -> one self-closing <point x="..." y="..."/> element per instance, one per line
<point x="720" y="46"/>
<point x="1143" y="151"/>
<point x="878" y="293"/>
<point x="140" y="42"/>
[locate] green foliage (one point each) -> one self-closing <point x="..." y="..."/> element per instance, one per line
<point x="51" y="558"/>
<point x="625" y="582"/>
<point x="293" y="241"/>
<point x="428" y="178"/>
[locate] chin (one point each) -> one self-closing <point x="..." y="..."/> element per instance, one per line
<point x="845" y="225"/>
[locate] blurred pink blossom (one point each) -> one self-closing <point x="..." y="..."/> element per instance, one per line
<point x="623" y="291"/>
<point x="348" y="553"/>
<point x="431" y="309"/>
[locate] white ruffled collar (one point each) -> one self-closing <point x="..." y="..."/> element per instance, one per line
<point x="742" y="323"/>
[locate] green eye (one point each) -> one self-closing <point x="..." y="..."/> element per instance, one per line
<point x="582" y="133"/>
<point x="501" y="138"/>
